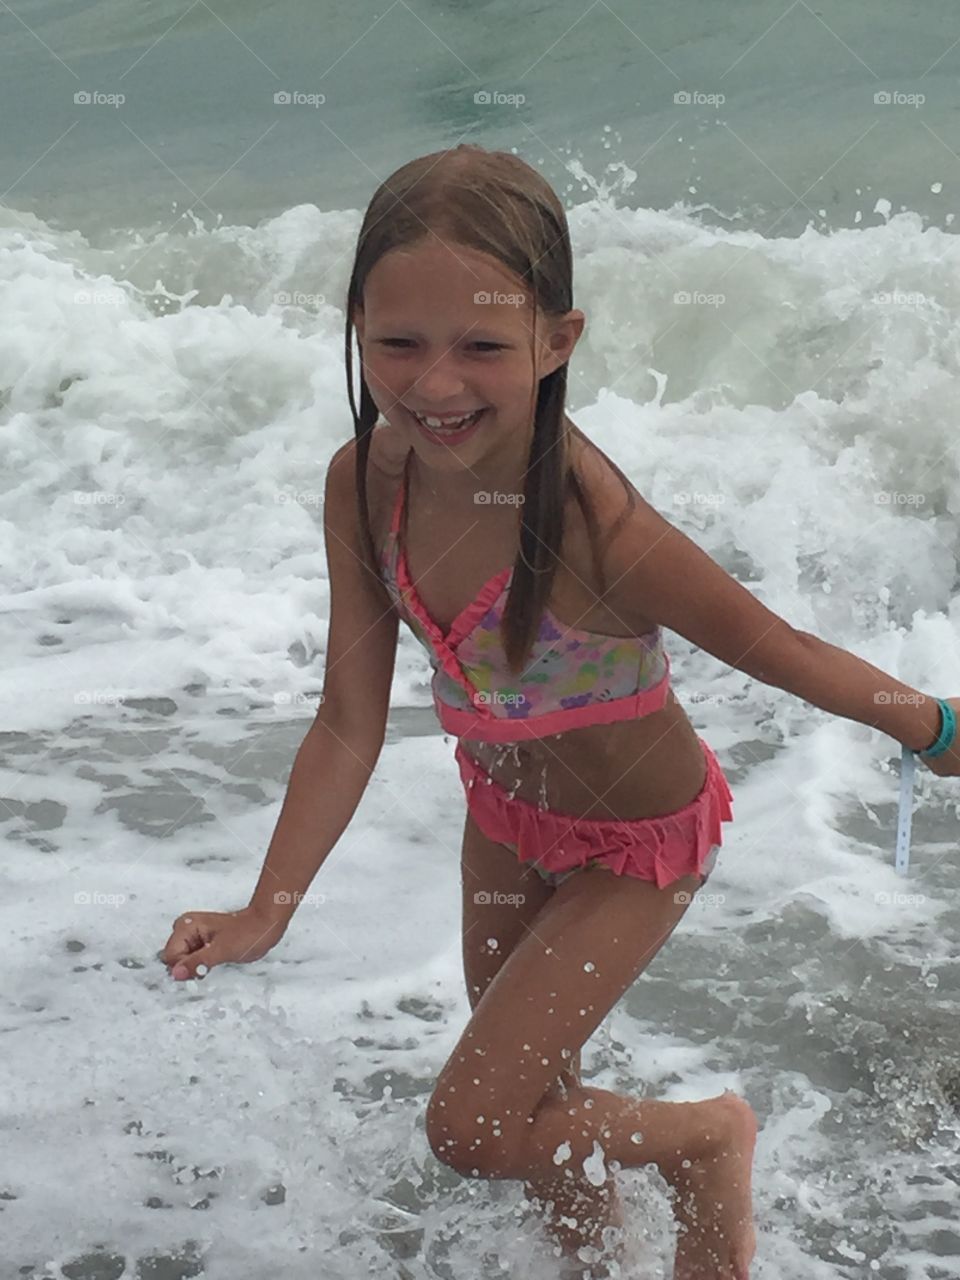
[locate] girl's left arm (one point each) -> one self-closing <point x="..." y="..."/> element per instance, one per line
<point x="669" y="580"/>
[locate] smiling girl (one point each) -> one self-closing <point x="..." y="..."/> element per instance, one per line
<point x="539" y="582"/>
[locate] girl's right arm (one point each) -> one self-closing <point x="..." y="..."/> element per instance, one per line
<point x="335" y="760"/>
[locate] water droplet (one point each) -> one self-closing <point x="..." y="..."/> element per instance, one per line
<point x="594" y="1167"/>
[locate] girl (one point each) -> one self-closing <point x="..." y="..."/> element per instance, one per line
<point x="520" y="557"/>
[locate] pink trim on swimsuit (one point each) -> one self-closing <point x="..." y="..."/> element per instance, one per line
<point x="661" y="849"/>
<point x="574" y="677"/>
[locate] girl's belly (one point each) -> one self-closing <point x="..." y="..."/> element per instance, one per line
<point x="627" y="770"/>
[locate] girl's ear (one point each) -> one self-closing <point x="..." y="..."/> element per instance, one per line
<point x="562" y="336"/>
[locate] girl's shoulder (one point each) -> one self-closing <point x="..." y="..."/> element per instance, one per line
<point x="610" y="496"/>
<point x="609" y="493"/>
<point x="388" y="451"/>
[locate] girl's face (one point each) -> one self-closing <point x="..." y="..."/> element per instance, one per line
<point x="445" y="330"/>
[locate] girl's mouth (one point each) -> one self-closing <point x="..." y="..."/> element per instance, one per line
<point x="449" y="435"/>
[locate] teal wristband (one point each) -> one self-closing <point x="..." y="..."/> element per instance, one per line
<point x="948" y="731"/>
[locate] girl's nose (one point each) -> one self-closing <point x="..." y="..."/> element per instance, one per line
<point x="439" y="383"/>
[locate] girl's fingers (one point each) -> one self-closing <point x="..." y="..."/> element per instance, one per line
<point x="196" y="965"/>
<point x="188" y="935"/>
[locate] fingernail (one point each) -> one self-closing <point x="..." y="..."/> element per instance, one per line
<point x="180" y="971"/>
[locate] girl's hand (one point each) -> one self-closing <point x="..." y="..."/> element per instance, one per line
<point x="947" y="765"/>
<point x="213" y="937"/>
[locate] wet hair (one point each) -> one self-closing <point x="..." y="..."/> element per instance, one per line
<point x="493" y="202"/>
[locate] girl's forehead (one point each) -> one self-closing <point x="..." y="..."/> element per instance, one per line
<point x="446" y="309"/>
<point x="441" y="272"/>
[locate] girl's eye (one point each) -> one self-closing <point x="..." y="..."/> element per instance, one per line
<point x="402" y="342"/>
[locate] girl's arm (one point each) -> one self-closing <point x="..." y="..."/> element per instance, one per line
<point x="339" y="753"/>
<point x="669" y="580"/>
<point x="335" y="759"/>
<point x="329" y="776"/>
<point x="845" y="685"/>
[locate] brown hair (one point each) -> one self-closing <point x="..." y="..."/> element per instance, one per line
<point x="493" y="202"/>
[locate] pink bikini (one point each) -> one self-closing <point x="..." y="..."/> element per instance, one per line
<point x="571" y="678"/>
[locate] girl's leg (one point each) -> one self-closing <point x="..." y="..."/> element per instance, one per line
<point x="577" y="1211"/>
<point x="495" y="1113"/>
<point x="501" y="901"/>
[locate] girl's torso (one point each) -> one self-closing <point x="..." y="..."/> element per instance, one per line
<point x="625" y="770"/>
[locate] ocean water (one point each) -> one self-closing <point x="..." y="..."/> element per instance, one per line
<point x="772" y="353"/>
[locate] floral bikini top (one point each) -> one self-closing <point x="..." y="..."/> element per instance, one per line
<point x="571" y="678"/>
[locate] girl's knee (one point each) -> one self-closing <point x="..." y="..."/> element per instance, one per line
<point x="559" y="1089"/>
<point x="473" y="1144"/>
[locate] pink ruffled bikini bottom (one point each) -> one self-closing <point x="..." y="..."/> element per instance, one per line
<point x="662" y="849"/>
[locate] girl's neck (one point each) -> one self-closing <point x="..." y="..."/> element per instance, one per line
<point x="502" y="474"/>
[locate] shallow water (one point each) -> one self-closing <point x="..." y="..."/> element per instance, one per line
<point x="272" y="1115"/>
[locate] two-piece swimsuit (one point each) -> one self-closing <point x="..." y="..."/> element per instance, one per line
<point x="572" y="678"/>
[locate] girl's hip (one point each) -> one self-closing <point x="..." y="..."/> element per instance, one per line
<point x="662" y="848"/>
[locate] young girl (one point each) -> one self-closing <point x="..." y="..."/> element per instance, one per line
<point x="470" y="506"/>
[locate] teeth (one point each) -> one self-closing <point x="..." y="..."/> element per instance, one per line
<point x="445" y="424"/>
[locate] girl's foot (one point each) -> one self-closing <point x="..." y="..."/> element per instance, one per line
<point x="714" y="1211"/>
